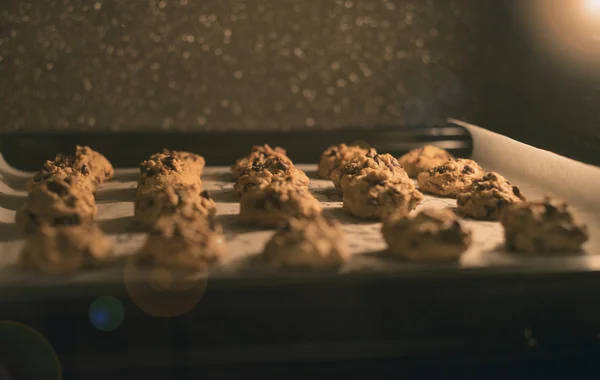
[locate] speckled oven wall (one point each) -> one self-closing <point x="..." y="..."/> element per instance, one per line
<point x="133" y="65"/>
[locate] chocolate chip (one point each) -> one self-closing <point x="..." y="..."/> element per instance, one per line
<point x="439" y="170"/>
<point x="39" y="176"/>
<point x="490" y="177"/>
<point x="489" y="210"/>
<point x="333" y="152"/>
<point x="549" y="209"/>
<point x="282" y="165"/>
<point x="205" y="194"/>
<point x="85" y="170"/>
<point x="516" y="191"/>
<point x="57" y="188"/>
<point x="468" y="170"/>
<point x="169" y="162"/>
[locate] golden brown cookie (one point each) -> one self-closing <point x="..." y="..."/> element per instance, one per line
<point x="422" y="159"/>
<point x="372" y="160"/>
<point x="273" y="169"/>
<point x="180" y="243"/>
<point x="164" y="170"/>
<point x="191" y="163"/>
<point x="487" y="197"/>
<point x="189" y="201"/>
<point x="538" y="227"/>
<point x="258" y="154"/>
<point x="56" y="202"/>
<point x="432" y="234"/>
<point x="307" y="244"/>
<point x="335" y="156"/>
<point x="66" y="249"/>
<point x="450" y="178"/>
<point x="276" y="203"/>
<point x="51" y="171"/>
<point x="377" y="193"/>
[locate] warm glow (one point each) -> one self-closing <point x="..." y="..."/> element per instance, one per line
<point x="592" y="6"/>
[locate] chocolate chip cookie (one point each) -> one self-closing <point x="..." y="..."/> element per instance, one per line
<point x="432" y="234"/>
<point x="51" y="171"/>
<point x="192" y="163"/>
<point x="372" y="160"/>
<point x="377" y="192"/>
<point x="487" y="197"/>
<point x="258" y="153"/>
<point x="56" y="202"/>
<point x="163" y="170"/>
<point x="307" y="244"/>
<point x="335" y="156"/>
<point x="87" y="160"/>
<point x="538" y="227"/>
<point x="450" y="178"/>
<point x="66" y="249"/>
<point x="273" y="169"/>
<point x="180" y="243"/>
<point x="422" y="159"/>
<point x="187" y="200"/>
<point x="276" y="203"/>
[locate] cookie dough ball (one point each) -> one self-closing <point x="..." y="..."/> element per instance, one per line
<point x="276" y="203"/>
<point x="432" y="234"/>
<point x="450" y="178"/>
<point x="307" y="244"/>
<point x="56" y="202"/>
<point x="378" y="192"/>
<point x="335" y="156"/>
<point x="372" y="160"/>
<point x="258" y="154"/>
<point x="66" y="249"/>
<point x="87" y="160"/>
<point x="189" y="201"/>
<point x="164" y="170"/>
<point x="487" y="197"/>
<point x="51" y="171"/>
<point x="179" y="243"/>
<point x="273" y="169"/>
<point x="191" y="163"/>
<point x="422" y="159"/>
<point x="538" y="227"/>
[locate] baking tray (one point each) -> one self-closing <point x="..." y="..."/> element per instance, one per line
<point x="491" y="301"/>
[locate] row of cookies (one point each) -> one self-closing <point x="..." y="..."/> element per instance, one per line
<point x="275" y="193"/>
<point x="59" y="211"/>
<point x="179" y="214"/>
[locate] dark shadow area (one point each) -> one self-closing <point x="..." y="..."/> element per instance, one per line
<point x="9" y="232"/>
<point x="312" y="174"/>
<point x="224" y="195"/>
<point x="123" y="225"/>
<point x="222" y="177"/>
<point x="125" y="176"/>
<point x="115" y="195"/>
<point x="15" y="182"/>
<point x="327" y="195"/>
<point x="11" y="202"/>
<point x="233" y="226"/>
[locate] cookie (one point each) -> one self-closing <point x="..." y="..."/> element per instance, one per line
<point x="189" y="201"/>
<point x="432" y="234"/>
<point x="450" y="178"/>
<point x="258" y="153"/>
<point x="273" y="169"/>
<point x="180" y="243"/>
<point x="66" y="249"/>
<point x="192" y="163"/>
<point x="51" y="171"/>
<point x="164" y="170"/>
<point x="307" y="244"/>
<point x="87" y="160"/>
<point x="487" y="197"/>
<point x="422" y="159"/>
<point x="538" y="227"/>
<point x="335" y="156"/>
<point x="372" y="160"/>
<point x="378" y="192"/>
<point x="56" y="202"/>
<point x="276" y="203"/>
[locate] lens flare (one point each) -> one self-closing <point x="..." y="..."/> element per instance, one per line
<point x="26" y="354"/>
<point x="592" y="6"/>
<point x="106" y="313"/>
<point x="161" y="292"/>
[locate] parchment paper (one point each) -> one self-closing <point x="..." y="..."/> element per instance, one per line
<point x="537" y="172"/>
